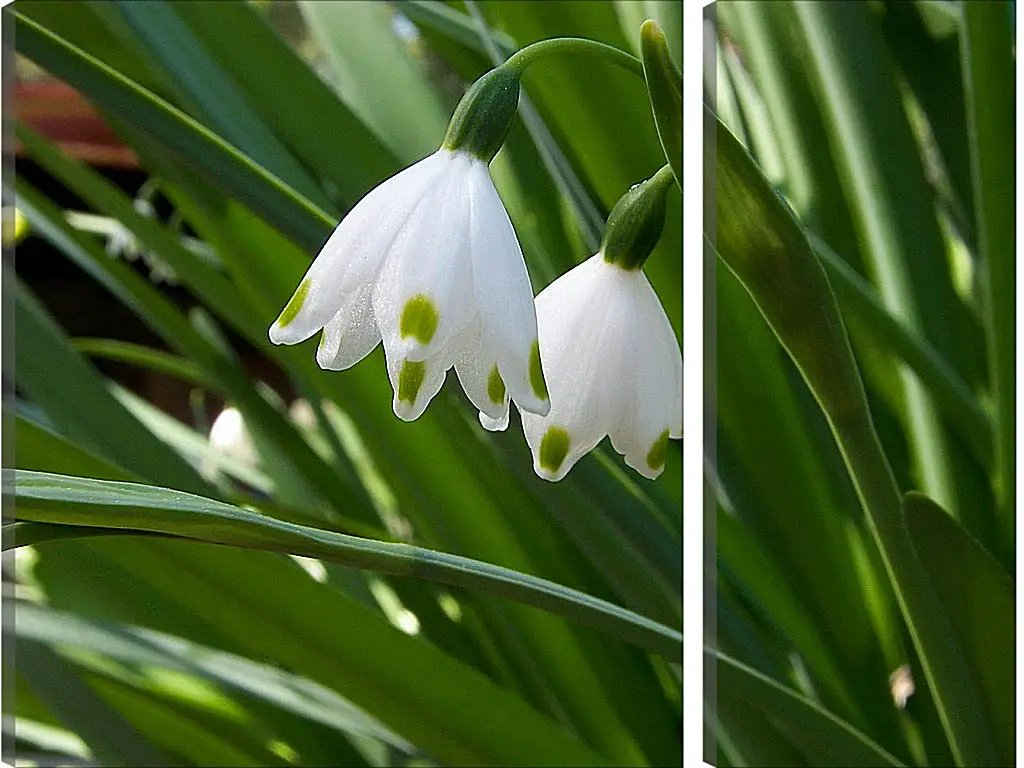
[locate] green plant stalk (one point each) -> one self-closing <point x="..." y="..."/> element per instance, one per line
<point x="986" y="42"/>
<point x="588" y="217"/>
<point x="763" y="243"/>
<point x="524" y="57"/>
<point x="48" y="498"/>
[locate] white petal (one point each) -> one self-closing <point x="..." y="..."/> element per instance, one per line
<point x="353" y="253"/>
<point x="423" y="298"/>
<point x="504" y="295"/>
<point x="499" y="424"/>
<point x="577" y="315"/>
<point x="655" y="413"/>
<point x="350" y="335"/>
<point x="477" y="369"/>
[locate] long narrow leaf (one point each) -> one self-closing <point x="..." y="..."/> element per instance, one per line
<point x="44" y="497"/>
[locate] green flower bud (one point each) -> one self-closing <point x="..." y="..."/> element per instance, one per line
<point x="483" y="118"/>
<point x="635" y="223"/>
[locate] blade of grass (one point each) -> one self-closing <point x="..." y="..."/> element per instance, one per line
<point x="376" y="75"/>
<point x="111" y="738"/>
<point x="219" y="594"/>
<point x="979" y="596"/>
<point x="155" y="360"/>
<point x="455" y="25"/>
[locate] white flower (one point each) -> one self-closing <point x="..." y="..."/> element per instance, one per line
<point x="429" y="262"/>
<point x="613" y="367"/>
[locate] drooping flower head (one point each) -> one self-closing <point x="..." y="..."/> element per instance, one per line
<point x="429" y="263"/>
<point x="612" y="360"/>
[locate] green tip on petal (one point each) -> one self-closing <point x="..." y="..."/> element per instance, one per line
<point x="295" y="303"/>
<point x="659" y="451"/>
<point x="419" y="319"/>
<point x="553" y="448"/>
<point x="495" y="386"/>
<point x="537" y="383"/>
<point x="410" y="379"/>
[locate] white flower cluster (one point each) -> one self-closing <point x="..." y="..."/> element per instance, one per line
<point x="429" y="263"/>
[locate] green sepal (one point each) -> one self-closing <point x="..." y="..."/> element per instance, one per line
<point x="635" y="223"/>
<point x="483" y="118"/>
<point x="665" y="89"/>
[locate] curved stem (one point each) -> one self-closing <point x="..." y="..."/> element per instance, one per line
<point x="524" y="57"/>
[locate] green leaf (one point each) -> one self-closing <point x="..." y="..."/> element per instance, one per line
<point x="665" y="88"/>
<point x="212" y="95"/>
<point x="884" y="184"/>
<point x="813" y="730"/>
<point x="260" y="605"/>
<point x="45" y="497"/>
<point x="740" y="555"/>
<point x="987" y="52"/>
<point x="376" y="76"/>
<point x="151" y="359"/>
<point x="857" y="299"/>
<point x="137" y="646"/>
<point x="761" y="241"/>
<point x="454" y="25"/>
<point x="75" y="398"/>
<point x="39" y="448"/>
<point x="111" y="737"/>
<point x="329" y="137"/>
<point x="193" y="142"/>
<point x="979" y="597"/>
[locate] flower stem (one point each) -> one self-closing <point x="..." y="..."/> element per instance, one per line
<point x="524" y="57"/>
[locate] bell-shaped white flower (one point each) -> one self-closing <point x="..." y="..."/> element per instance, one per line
<point x="613" y="368"/>
<point x="611" y="359"/>
<point x="429" y="262"/>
